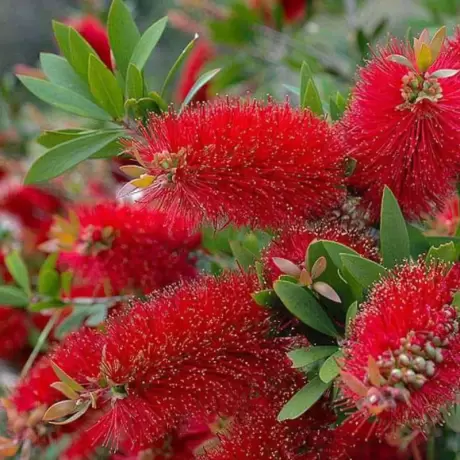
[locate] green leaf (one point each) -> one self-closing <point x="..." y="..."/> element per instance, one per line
<point x="104" y="87"/>
<point x="303" y="400"/>
<point x="312" y="99"/>
<point x="46" y="305"/>
<point x="243" y="256"/>
<point x="134" y="83"/>
<point x="394" y="238"/>
<point x="67" y="155"/>
<point x="334" y="110"/>
<point x="60" y="72"/>
<point x="304" y="356"/>
<point x="292" y="89"/>
<point x="61" y="32"/>
<point x="66" y="282"/>
<point x="18" y="270"/>
<point x="80" y="53"/>
<point x="418" y="242"/>
<point x="305" y="76"/>
<point x="49" y="282"/>
<point x="71" y="323"/>
<point x="444" y="253"/>
<point x="50" y="139"/>
<point x="63" y="98"/>
<point x="13" y="296"/>
<point x="340" y="102"/>
<point x="365" y="271"/>
<point x="303" y="304"/>
<point x="147" y="43"/>
<point x="265" y="298"/>
<point x="177" y="64"/>
<point x="49" y="263"/>
<point x="123" y="35"/>
<point x="335" y="252"/>
<point x="452" y="418"/>
<point x="330" y="369"/>
<point x="109" y="151"/>
<point x="97" y="316"/>
<point x="198" y="85"/>
<point x="351" y="313"/>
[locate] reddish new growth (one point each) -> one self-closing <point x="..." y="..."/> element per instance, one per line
<point x="293" y="243"/>
<point x="244" y="162"/>
<point x="199" y="348"/>
<point x="95" y="33"/>
<point x="129" y="247"/>
<point x="403" y="128"/>
<point x="401" y="360"/>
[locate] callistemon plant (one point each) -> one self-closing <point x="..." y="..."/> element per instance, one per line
<point x="254" y="290"/>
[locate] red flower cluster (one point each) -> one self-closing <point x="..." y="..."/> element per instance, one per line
<point x="243" y="162"/>
<point x="401" y="360"/>
<point x="197" y="349"/>
<point x="129" y="247"/>
<point x="13" y="331"/>
<point x="402" y="127"/>
<point x="294" y="10"/>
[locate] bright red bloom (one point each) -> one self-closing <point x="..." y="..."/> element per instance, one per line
<point x="200" y="56"/>
<point x="403" y="129"/>
<point x="95" y="33"/>
<point x="198" y="348"/>
<point x="244" y="162"/>
<point x="401" y="359"/>
<point x="130" y="247"/>
<point x="13" y="331"/>
<point x="293" y="243"/>
<point x="446" y="222"/>
<point x="293" y="10"/>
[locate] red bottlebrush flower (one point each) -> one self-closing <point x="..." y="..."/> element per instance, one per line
<point x="402" y="126"/>
<point x="13" y="331"/>
<point x="401" y="359"/>
<point x="294" y="10"/>
<point x="95" y="33"/>
<point x="446" y="222"/>
<point x="130" y="247"/>
<point x="240" y="161"/>
<point x="198" y="348"/>
<point x="293" y="243"/>
<point x="200" y="56"/>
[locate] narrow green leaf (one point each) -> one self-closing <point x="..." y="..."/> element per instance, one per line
<point x="66" y="282"/>
<point x="444" y="253"/>
<point x="104" y="87"/>
<point x="172" y="72"/>
<point x="49" y="263"/>
<point x="67" y="155"/>
<point x="303" y="400"/>
<point x="147" y="43"/>
<point x="134" y="83"/>
<point x="264" y="298"/>
<point x="305" y="76"/>
<point x="304" y="356"/>
<point x="334" y="110"/>
<point x="394" y="238"/>
<point x="97" y="316"/>
<point x="418" y="242"/>
<point x="60" y="72"/>
<point x="65" y="378"/>
<point x="46" y="305"/>
<point x="351" y="313"/>
<point x="340" y="102"/>
<point x="18" y="270"/>
<point x="63" y="98"/>
<point x="335" y="251"/>
<point x="61" y="32"/>
<point x="330" y="369"/>
<point x="123" y="35"/>
<point x="312" y="99"/>
<point x="243" y="256"/>
<point x="12" y="296"/>
<point x="109" y="151"/>
<point x="71" y="323"/>
<point x="304" y="305"/>
<point x="49" y="283"/>
<point x="50" y="139"/>
<point x="205" y="78"/>
<point x="292" y="89"/>
<point x="365" y="271"/>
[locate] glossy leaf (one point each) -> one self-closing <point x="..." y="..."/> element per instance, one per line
<point x="394" y="238"/>
<point x="45" y="305"/>
<point x="104" y="87"/>
<point x="67" y="155"/>
<point x="63" y="98"/>
<point x="134" y="83"/>
<point x="13" y="296"/>
<point x="312" y="99"/>
<point x="244" y="257"/>
<point x="305" y="76"/>
<point x="202" y="80"/>
<point x="49" y="282"/>
<point x="303" y="304"/>
<point x="304" y="356"/>
<point x="444" y="253"/>
<point x="365" y="271"/>
<point x="351" y="313"/>
<point x="330" y="369"/>
<point x="61" y="33"/>
<point x="123" y="35"/>
<point x="50" y="139"/>
<point x="18" y="270"/>
<point x="264" y="298"/>
<point x="147" y="43"/>
<point x="303" y="399"/>
<point x="418" y="242"/>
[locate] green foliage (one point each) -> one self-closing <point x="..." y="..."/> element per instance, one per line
<point x="18" y="270"/>
<point x="305" y="356"/>
<point x="12" y="296"/>
<point x="365" y="271"/>
<point x="309" y="95"/>
<point x="202" y="80"/>
<point x="134" y="83"/>
<point x="443" y="253"/>
<point x="330" y="369"/>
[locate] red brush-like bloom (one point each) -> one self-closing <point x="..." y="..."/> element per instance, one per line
<point x="200" y="348"/>
<point x="95" y="33"/>
<point x="240" y="161"/>
<point x="403" y="128"/>
<point x="130" y="247"/>
<point x="200" y="56"/>
<point x="293" y="243"/>
<point x="401" y="360"/>
<point x="446" y="222"/>
<point x="293" y="10"/>
<point x="13" y="331"/>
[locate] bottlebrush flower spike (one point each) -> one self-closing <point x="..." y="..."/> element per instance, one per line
<point x="244" y="162"/>
<point x="201" y="347"/>
<point x="401" y="359"/>
<point x="130" y="247"/>
<point x="402" y="126"/>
